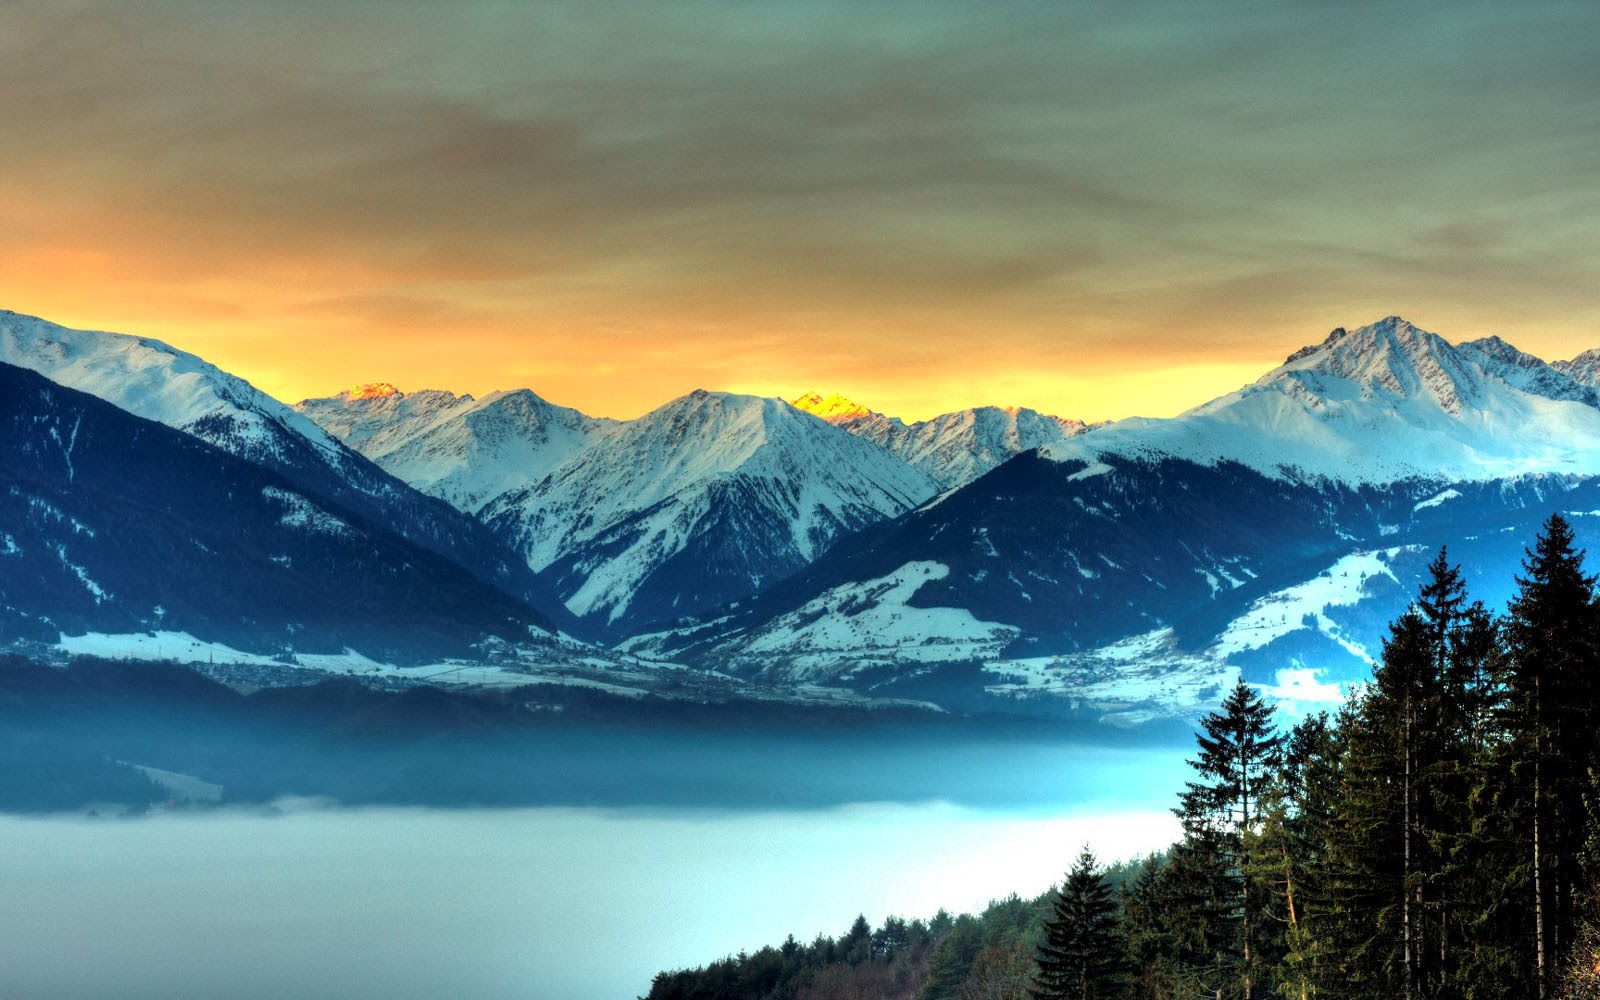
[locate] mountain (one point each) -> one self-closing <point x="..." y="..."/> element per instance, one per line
<point x="114" y="523"/>
<point x="157" y="382"/>
<point x="1142" y="565"/>
<point x="705" y="500"/>
<point x="985" y="558"/>
<point x="1583" y="369"/>
<point x="953" y="448"/>
<point x="1380" y="404"/>
<point x="462" y="450"/>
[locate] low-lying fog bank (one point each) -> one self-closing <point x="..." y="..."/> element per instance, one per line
<point x="549" y="902"/>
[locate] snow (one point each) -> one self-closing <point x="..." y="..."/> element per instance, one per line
<point x="1299" y="693"/>
<point x="153" y="380"/>
<point x="854" y="624"/>
<point x="162" y="645"/>
<point x="1090" y="471"/>
<point x="298" y="512"/>
<point x="95" y="590"/>
<point x="1437" y="499"/>
<point x="1288" y="610"/>
<point x="1380" y="404"/>
<point x="641" y="490"/>
<point x="953" y="448"/>
<point x="1148" y="675"/>
<point x="462" y="450"/>
<point x="185" y="648"/>
<point x="833" y="408"/>
<point x="1134" y="680"/>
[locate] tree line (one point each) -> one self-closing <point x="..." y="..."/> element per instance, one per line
<point x="1435" y="839"/>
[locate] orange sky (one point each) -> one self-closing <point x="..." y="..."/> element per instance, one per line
<point x="1091" y="212"/>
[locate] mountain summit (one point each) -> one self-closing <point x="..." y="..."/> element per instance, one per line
<point x="158" y="382"/>
<point x="952" y="448"/>
<point x="704" y="500"/>
<point x="834" y="409"/>
<point x="1377" y="404"/>
<point x="463" y="450"/>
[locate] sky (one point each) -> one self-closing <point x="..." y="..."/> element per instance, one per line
<point x="1092" y="209"/>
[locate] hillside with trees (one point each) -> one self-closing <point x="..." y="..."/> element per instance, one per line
<point x="1436" y="839"/>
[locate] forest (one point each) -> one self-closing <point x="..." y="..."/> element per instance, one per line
<point x="1437" y="838"/>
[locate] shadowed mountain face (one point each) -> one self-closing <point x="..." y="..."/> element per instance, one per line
<point x="1144" y="589"/>
<point x="114" y="523"/>
<point x="708" y="499"/>
<point x="158" y="382"/>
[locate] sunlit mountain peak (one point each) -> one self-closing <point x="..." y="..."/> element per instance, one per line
<point x="834" y="407"/>
<point x="371" y="390"/>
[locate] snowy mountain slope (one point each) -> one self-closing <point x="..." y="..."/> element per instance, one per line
<point x="1584" y="369"/>
<point x="856" y="626"/>
<point x="1278" y="528"/>
<point x="115" y="523"/>
<point x="1072" y="561"/>
<point x="1383" y="403"/>
<point x="1055" y="580"/>
<point x="953" y="448"/>
<point x="157" y="382"/>
<point x="462" y="450"/>
<point x="707" y="499"/>
<point x="375" y="418"/>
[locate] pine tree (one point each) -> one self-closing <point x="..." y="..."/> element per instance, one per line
<point x="1550" y="632"/>
<point x="1292" y="853"/>
<point x="1365" y="871"/>
<point x="1239" y="754"/>
<point x="1147" y="928"/>
<point x="1413" y="855"/>
<point x="1081" y="956"/>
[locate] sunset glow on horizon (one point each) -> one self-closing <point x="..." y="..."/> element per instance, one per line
<point x="1091" y="210"/>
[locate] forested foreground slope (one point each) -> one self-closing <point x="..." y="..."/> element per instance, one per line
<point x="1438" y="838"/>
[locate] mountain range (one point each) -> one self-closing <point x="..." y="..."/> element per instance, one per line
<point x="986" y="558"/>
<point x="115" y="523"/>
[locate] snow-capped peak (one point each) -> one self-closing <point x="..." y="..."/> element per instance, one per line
<point x="1389" y="359"/>
<point x="1381" y="403"/>
<point x="159" y="382"/>
<point x="736" y="491"/>
<point x="1583" y="369"/>
<point x="953" y="448"/>
<point x="834" y="408"/>
<point x="463" y="450"/>
<point x="369" y="390"/>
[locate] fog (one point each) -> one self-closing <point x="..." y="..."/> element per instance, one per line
<point x="553" y="902"/>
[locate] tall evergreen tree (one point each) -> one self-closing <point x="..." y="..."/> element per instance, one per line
<point x="1149" y="934"/>
<point x="1239" y="749"/>
<point x="1081" y="957"/>
<point x="1366" y="873"/>
<point x="1412" y="855"/>
<point x="1291" y="852"/>
<point x="1551" y="634"/>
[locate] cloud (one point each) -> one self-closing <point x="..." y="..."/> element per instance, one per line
<point x="1086" y="175"/>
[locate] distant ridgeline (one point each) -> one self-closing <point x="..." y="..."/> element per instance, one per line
<point x="729" y="547"/>
<point x="1438" y="838"/>
<point x="119" y="736"/>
